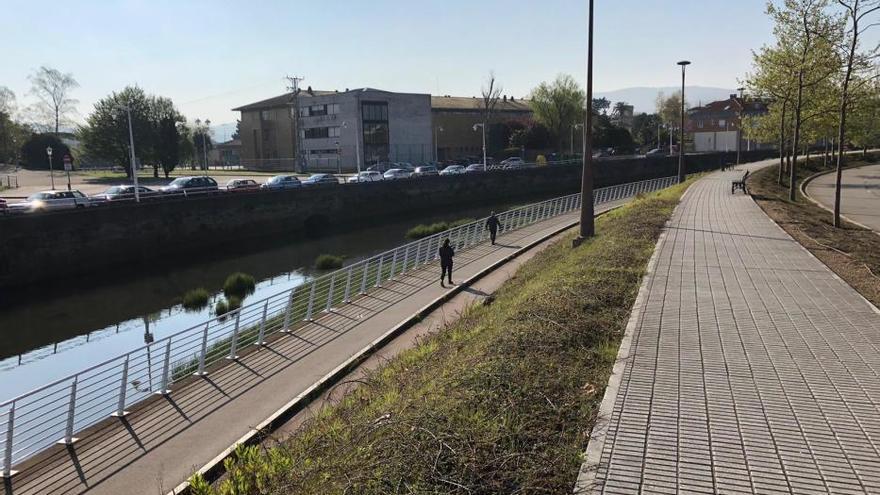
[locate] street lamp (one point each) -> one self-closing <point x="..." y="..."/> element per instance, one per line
<point x="437" y="129"/>
<point x="571" y="143"/>
<point x="587" y="227"/>
<point x="51" y="171"/>
<point x="681" y="172"/>
<point x="739" y="125"/>
<point x="338" y="163"/>
<point x="483" y="126"/>
<point x="204" y="132"/>
<point x="134" y="175"/>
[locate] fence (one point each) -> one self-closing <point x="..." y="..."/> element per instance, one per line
<point x="10" y="181"/>
<point x="56" y="412"/>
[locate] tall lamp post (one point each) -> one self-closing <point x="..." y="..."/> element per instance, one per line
<point x="587" y="228"/>
<point x="204" y="131"/>
<point x="51" y="171"/>
<point x="483" y="126"/>
<point x="437" y="130"/>
<point x="134" y="175"/>
<point x="681" y="172"/>
<point x="739" y="125"/>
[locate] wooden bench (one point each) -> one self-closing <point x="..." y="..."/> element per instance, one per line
<point x="740" y="184"/>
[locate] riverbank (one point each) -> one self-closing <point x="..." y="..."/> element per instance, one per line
<point x="500" y="401"/>
<point x="852" y="252"/>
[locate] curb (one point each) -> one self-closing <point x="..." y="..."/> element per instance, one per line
<point x="214" y="468"/>
<point x="803" y="188"/>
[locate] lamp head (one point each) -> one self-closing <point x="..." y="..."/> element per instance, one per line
<point x="684" y="63"/>
<point x="49" y="150"/>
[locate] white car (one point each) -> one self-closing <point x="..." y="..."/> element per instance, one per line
<point x="50" y="201"/>
<point x="453" y="170"/>
<point x="513" y="162"/>
<point x="475" y="167"/>
<point x="366" y="176"/>
<point x="397" y="173"/>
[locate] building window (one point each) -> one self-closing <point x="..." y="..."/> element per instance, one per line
<point x="333" y="109"/>
<point x="722" y="123"/>
<point x="317" y="133"/>
<point x="265" y="114"/>
<point x="700" y="124"/>
<point x="316" y="110"/>
<point x="334" y="132"/>
<point x="375" y="112"/>
<point x="323" y="152"/>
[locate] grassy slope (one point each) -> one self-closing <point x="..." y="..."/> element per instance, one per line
<point x="851" y="251"/>
<point x="502" y="401"/>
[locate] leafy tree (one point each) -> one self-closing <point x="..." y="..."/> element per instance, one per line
<point x="608" y="135"/>
<point x="601" y="105"/>
<point x="34" y="154"/>
<point x="669" y="109"/>
<point x="532" y="135"/>
<point x="53" y="88"/>
<point x="645" y="130"/>
<point x="558" y="106"/>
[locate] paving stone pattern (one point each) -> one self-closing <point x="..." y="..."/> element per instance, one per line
<point x="753" y="368"/>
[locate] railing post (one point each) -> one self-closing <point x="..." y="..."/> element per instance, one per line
<point x="234" y="344"/>
<point x="7" y="455"/>
<point x="261" y="338"/>
<point x="71" y="411"/>
<point x="346" y="299"/>
<point x="330" y="293"/>
<point x="311" y="304"/>
<point x="379" y="271"/>
<point x="165" y="369"/>
<point x="393" y="264"/>
<point x="123" y="384"/>
<point x="204" y="354"/>
<point x="287" y="313"/>
<point x="405" y="259"/>
<point x="364" y="278"/>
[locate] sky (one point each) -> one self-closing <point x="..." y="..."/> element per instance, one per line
<point x="211" y="56"/>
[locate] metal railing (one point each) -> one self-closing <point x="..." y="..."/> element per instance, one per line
<point x="58" y="411"/>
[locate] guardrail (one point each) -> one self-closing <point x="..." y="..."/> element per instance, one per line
<point x="56" y="412"/>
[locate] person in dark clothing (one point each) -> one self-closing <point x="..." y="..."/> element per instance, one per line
<point x="446" y="253"/>
<point x="492" y="224"/>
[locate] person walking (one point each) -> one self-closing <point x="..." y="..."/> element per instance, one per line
<point x="492" y="224"/>
<point x="446" y="253"/>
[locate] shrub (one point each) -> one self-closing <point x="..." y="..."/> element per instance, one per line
<point x="233" y="303"/>
<point x="196" y="299"/>
<point x="221" y="308"/>
<point x="328" y="262"/>
<point x="423" y="230"/>
<point x="239" y="285"/>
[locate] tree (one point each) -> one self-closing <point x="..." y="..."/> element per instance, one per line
<point x="855" y="12"/>
<point x="558" y="106"/>
<point x="601" y="106"/>
<point x="647" y="129"/>
<point x="7" y="101"/>
<point x="533" y="135"/>
<point x="166" y="122"/>
<point x="669" y="109"/>
<point x="53" y="89"/>
<point x="34" y="154"/>
<point x="237" y="133"/>
<point x="619" y="109"/>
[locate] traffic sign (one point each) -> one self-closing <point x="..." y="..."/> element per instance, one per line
<point x="68" y="165"/>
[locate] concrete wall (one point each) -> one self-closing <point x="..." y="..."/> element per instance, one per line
<point x="53" y="246"/>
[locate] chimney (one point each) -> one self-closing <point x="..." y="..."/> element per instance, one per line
<point x="504" y="98"/>
<point x="309" y="91"/>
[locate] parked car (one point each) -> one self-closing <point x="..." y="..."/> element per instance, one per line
<point x="397" y="173"/>
<point x="320" y="179"/>
<point x="366" y="176"/>
<point x="514" y="161"/>
<point x="3" y="206"/>
<point x="238" y="185"/>
<point x="453" y="170"/>
<point x="405" y="166"/>
<point x="475" y="167"/>
<point x="656" y="152"/>
<point x="281" y="182"/>
<point x="51" y="200"/>
<point x="425" y="171"/>
<point x="381" y="167"/>
<point x="191" y="185"/>
<point x="122" y="193"/>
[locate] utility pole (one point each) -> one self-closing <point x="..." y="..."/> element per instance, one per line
<point x="298" y="152"/>
<point x="739" y="126"/>
<point x="587" y="226"/>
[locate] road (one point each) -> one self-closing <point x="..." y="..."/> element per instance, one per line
<point x="860" y="194"/>
<point x="748" y="366"/>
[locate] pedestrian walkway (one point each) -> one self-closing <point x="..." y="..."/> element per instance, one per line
<point x="748" y="368"/>
<point x="155" y="448"/>
<point x="860" y="194"/>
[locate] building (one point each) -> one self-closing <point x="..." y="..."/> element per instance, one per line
<point x="226" y="154"/>
<point x="454" y="118"/>
<point x="623" y="116"/>
<point x="716" y="126"/>
<point x="339" y="131"/>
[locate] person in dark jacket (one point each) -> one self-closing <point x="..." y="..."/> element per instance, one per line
<point x="492" y="224"/>
<point x="446" y="253"/>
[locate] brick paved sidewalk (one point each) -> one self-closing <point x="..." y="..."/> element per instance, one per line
<point x="752" y="368"/>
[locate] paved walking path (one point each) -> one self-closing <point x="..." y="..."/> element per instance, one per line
<point x="750" y="368"/>
<point x="154" y="449"/>
<point x="860" y="194"/>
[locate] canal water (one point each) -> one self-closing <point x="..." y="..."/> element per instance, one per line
<point x="49" y="335"/>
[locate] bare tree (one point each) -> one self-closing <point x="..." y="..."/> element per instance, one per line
<point x="855" y="11"/>
<point x="7" y="101"/>
<point x="53" y="89"/>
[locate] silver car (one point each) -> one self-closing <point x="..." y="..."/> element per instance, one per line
<point x="366" y="176"/>
<point x="50" y="201"/>
<point x="453" y="170"/>
<point x="397" y="173"/>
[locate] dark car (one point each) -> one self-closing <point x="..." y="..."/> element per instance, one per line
<point x="320" y="179"/>
<point x="122" y="193"/>
<point x="191" y="185"/>
<point x="240" y="185"/>
<point x="425" y="171"/>
<point x="282" y="182"/>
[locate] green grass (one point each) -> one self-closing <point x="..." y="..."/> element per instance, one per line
<point x="501" y="401"/>
<point x="427" y="230"/>
<point x="328" y="262"/>
<point x="238" y="286"/>
<point x="196" y="299"/>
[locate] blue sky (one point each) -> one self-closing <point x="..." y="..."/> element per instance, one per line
<point x="211" y="56"/>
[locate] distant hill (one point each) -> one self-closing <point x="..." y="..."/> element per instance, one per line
<point x="643" y="99"/>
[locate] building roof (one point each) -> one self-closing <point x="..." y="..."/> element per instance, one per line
<point x="733" y="104"/>
<point x="281" y="100"/>
<point x="233" y="143"/>
<point x="474" y="103"/>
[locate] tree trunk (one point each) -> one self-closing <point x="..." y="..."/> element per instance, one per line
<point x="782" y="152"/>
<point x="825" y="160"/>
<point x="155" y="171"/>
<point x="844" y="95"/>
<point x="792" y="174"/>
